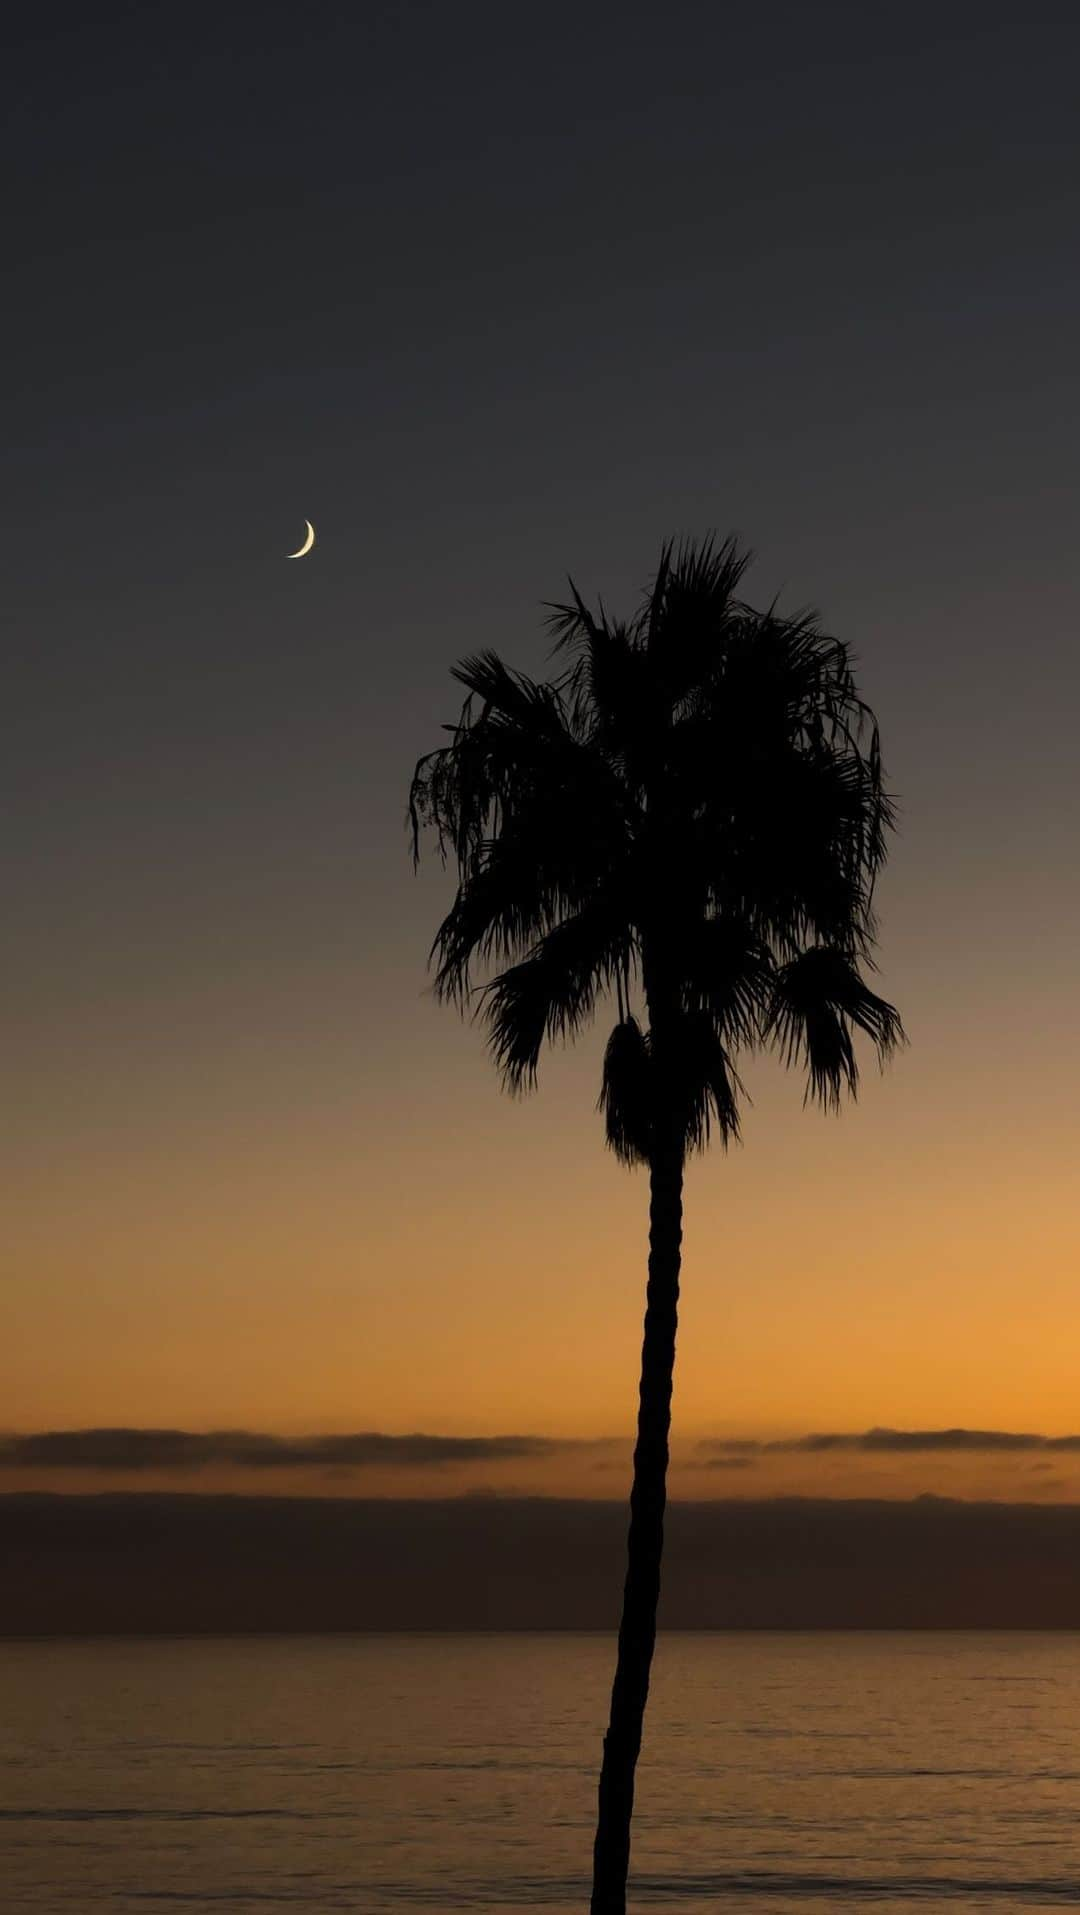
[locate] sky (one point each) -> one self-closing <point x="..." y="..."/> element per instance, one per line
<point x="492" y="296"/>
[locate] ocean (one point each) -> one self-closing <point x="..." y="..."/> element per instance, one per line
<point x="784" y="1773"/>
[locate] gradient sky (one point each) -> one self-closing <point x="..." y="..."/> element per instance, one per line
<point x="491" y="295"/>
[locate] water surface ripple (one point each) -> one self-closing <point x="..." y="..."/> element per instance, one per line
<point x="783" y="1773"/>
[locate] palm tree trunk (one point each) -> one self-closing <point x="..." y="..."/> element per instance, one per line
<point x="637" y="1631"/>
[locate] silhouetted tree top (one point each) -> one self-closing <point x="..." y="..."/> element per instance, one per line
<point x="689" y="816"/>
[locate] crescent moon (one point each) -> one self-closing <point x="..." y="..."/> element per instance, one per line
<point x="308" y="542"/>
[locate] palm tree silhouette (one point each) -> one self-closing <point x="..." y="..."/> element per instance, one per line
<point x="689" y="817"/>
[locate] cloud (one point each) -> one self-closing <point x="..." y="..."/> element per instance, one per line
<point x="123" y="1450"/>
<point x="894" y="1442"/>
<point x="132" y="1449"/>
<point x="163" y="1563"/>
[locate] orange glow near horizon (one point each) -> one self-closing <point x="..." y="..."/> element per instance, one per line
<point x="382" y="1242"/>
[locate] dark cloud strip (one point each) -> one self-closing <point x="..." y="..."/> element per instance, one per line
<point x="132" y="1449"/>
<point x="157" y="1563"/>
<point x="893" y="1442"/>
<point x="123" y="1449"/>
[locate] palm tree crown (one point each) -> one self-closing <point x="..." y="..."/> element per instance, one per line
<point x="691" y="813"/>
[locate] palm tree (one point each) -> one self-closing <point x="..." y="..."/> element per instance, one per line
<point x="689" y="817"/>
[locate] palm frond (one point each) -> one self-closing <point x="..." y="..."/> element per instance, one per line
<point x="727" y="972"/>
<point x="553" y="992"/>
<point x="819" y="1001"/>
<point x="507" y="902"/>
<point x="573" y="626"/>
<point x="530" y="815"/>
<point x="510" y="697"/>
<point x="707" y="1086"/>
<point x="686" y="614"/>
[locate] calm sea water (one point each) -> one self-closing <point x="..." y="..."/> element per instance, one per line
<point x="781" y="1773"/>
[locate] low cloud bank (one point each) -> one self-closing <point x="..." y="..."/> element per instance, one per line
<point x="193" y="1564"/>
<point x="131" y="1449"/>
<point x="896" y="1442"/>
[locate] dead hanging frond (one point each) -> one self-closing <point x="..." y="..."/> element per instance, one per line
<point x="693" y="1088"/>
<point x="627" y="1093"/>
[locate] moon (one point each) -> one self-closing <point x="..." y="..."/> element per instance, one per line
<point x="308" y="542"/>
